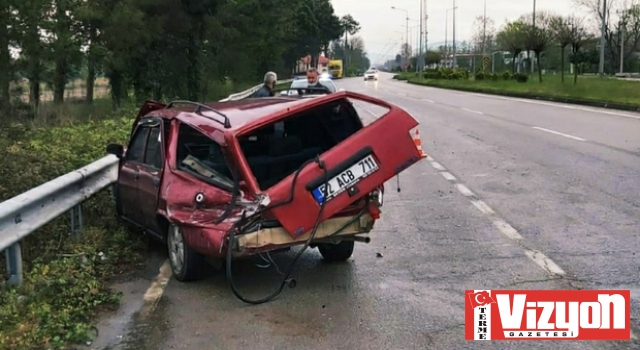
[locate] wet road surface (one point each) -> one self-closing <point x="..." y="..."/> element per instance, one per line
<point x="510" y="184"/>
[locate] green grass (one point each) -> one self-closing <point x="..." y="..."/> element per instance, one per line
<point x="588" y="88"/>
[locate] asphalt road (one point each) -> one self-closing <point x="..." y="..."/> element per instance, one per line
<point x="517" y="195"/>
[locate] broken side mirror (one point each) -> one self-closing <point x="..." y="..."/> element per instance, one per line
<point x="115" y="149"/>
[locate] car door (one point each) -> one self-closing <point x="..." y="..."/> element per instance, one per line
<point x="151" y="174"/>
<point x="129" y="175"/>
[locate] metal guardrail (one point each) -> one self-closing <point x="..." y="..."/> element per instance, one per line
<point x="249" y="92"/>
<point x="23" y="214"/>
<point x="27" y="212"/>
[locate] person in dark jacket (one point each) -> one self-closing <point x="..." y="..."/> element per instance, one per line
<point x="267" y="90"/>
<point x="313" y="81"/>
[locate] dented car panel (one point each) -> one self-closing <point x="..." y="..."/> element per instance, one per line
<point x="208" y="182"/>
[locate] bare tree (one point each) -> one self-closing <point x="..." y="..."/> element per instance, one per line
<point x="622" y="25"/>
<point x="483" y="40"/>
<point x="579" y="35"/>
<point x="561" y="30"/>
<point x="538" y="37"/>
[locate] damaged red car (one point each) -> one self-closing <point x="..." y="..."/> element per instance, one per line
<point x="238" y="178"/>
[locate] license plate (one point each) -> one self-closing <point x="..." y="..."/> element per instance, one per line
<point x="338" y="184"/>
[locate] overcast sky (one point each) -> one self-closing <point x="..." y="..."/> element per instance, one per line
<point x="382" y="27"/>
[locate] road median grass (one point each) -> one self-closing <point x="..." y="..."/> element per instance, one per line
<point x="590" y="91"/>
<point x="66" y="281"/>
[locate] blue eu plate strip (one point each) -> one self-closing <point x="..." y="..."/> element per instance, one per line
<point x="318" y="195"/>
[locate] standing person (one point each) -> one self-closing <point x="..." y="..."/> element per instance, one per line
<point x="313" y="80"/>
<point x="312" y="77"/>
<point x="267" y="90"/>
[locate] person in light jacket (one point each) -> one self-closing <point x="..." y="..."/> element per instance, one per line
<point x="267" y="90"/>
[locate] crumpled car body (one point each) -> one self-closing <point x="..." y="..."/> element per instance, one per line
<point x="268" y="169"/>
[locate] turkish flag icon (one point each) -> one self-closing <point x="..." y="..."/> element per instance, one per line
<point x="480" y="299"/>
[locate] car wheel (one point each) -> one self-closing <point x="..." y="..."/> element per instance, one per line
<point x="336" y="252"/>
<point x="185" y="262"/>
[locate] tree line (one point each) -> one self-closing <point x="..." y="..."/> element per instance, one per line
<point x="555" y="40"/>
<point x="157" y="48"/>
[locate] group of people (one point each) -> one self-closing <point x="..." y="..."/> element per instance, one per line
<point x="271" y="80"/>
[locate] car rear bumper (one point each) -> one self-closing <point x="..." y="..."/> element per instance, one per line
<point x="277" y="238"/>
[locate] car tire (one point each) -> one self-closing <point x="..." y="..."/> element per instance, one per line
<point x="336" y="252"/>
<point x="185" y="262"/>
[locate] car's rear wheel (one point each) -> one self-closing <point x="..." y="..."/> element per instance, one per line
<point x="336" y="252"/>
<point x="185" y="262"/>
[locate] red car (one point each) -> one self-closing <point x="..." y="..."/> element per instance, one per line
<point x="233" y="179"/>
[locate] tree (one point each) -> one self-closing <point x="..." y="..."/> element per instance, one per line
<point x="161" y="49"/>
<point x="560" y="27"/>
<point x="483" y="40"/>
<point x="579" y="35"/>
<point x="350" y="26"/>
<point x="620" y="14"/>
<point x="512" y="38"/>
<point x="538" y="37"/>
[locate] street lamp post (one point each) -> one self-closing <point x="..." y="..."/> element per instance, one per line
<point x="446" y="35"/>
<point x="407" y="22"/>
<point x="602" y="42"/>
<point x="484" y="31"/>
<point x="454" y="34"/>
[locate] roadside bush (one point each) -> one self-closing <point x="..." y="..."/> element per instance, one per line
<point x="65" y="282"/>
<point x="480" y="76"/>
<point x="493" y="76"/>
<point x="506" y="75"/>
<point x="521" y="78"/>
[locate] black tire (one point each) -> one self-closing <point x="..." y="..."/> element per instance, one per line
<point x="185" y="262"/>
<point x="336" y="252"/>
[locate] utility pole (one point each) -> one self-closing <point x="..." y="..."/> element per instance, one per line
<point x="602" y="42"/>
<point x="426" y="36"/>
<point x="454" y="34"/>
<point x="407" y="26"/>
<point x="534" y="27"/>
<point x="420" y="64"/>
<point x="484" y="31"/>
<point x="624" y="24"/>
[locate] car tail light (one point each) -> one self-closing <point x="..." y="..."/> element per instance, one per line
<point x="376" y="196"/>
<point x="415" y="135"/>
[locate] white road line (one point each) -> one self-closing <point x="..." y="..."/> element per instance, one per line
<point x="507" y="229"/>
<point x="464" y="190"/>
<point x="560" y="105"/>
<point x="448" y="176"/>
<point x="544" y="262"/>
<point x="156" y="289"/>
<point x="471" y="110"/>
<point x="536" y="256"/>
<point x="437" y="166"/>
<point x="425" y="100"/>
<point x="483" y="207"/>
<point x="559" y="133"/>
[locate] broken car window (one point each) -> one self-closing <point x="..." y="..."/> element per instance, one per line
<point x="274" y="155"/>
<point x="153" y="156"/>
<point x="201" y="156"/>
<point x="135" y="151"/>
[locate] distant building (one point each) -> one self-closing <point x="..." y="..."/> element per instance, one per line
<point x="305" y="63"/>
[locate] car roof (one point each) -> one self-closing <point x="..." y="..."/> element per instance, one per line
<point x="240" y="113"/>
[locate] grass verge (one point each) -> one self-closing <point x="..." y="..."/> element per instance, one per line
<point x="66" y="281"/>
<point x="605" y="92"/>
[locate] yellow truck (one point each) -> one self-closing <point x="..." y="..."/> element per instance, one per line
<point x="335" y="68"/>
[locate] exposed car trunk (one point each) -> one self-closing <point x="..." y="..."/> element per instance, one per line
<point x="358" y="160"/>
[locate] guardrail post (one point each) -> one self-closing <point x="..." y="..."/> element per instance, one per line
<point x="76" y="220"/>
<point x="14" y="264"/>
